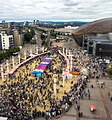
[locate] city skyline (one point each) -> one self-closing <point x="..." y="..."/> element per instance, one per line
<point x="56" y="10"/>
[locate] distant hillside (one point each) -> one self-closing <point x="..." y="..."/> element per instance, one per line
<point x="63" y="23"/>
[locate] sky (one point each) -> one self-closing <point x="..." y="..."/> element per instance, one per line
<point x="55" y="10"/>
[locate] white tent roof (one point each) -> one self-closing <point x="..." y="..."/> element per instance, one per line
<point x="3" y="118"/>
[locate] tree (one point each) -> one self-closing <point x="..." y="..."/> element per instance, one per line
<point x="32" y="32"/>
<point x="52" y="34"/>
<point x="27" y="37"/>
<point x="43" y="43"/>
<point x="43" y="37"/>
<point x="51" y="43"/>
<point x="7" y="53"/>
<point x="109" y="71"/>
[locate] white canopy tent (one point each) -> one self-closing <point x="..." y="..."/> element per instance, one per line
<point x="3" y="118"/>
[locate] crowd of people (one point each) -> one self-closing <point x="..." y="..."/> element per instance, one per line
<point x="26" y="97"/>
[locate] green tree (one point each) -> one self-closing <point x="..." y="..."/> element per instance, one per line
<point x="27" y="37"/>
<point x="43" y="37"/>
<point x="7" y="53"/>
<point x="43" y="43"/>
<point x="109" y="71"/>
<point x="32" y="32"/>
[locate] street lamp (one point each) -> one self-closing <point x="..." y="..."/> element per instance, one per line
<point x="63" y="76"/>
<point x="19" y="58"/>
<point x="66" y="51"/>
<point x="7" y="63"/>
<point x="24" y="54"/>
<point x="55" y="85"/>
<point x="70" y="58"/>
<point x="13" y="61"/>
<point x="37" y="50"/>
<point x="2" y="74"/>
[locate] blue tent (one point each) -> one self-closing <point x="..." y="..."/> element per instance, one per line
<point x="39" y="74"/>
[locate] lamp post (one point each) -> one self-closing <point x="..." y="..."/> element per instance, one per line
<point x="19" y="58"/>
<point x="66" y="51"/>
<point x="43" y="48"/>
<point x="71" y="62"/>
<point x="63" y="80"/>
<point x="7" y="62"/>
<point x="30" y="52"/>
<point x="13" y="61"/>
<point x="24" y="54"/>
<point x="2" y="75"/>
<point x="63" y="76"/>
<point x="55" y="85"/>
<point x="69" y="54"/>
<point x="70" y="57"/>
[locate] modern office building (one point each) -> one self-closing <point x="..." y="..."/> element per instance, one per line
<point x="98" y="45"/>
<point x="18" y="38"/>
<point x="102" y="48"/>
<point x="6" y="41"/>
<point x="37" y="22"/>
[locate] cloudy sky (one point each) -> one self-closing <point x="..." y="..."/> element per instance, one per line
<point x="86" y="10"/>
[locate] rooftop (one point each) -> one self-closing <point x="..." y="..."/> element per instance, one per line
<point x="104" y="42"/>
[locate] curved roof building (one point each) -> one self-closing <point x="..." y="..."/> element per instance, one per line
<point x="97" y="27"/>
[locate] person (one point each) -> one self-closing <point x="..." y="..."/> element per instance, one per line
<point x="92" y="109"/>
<point x="111" y="98"/>
<point x="80" y="114"/>
<point x="91" y="86"/>
<point x="89" y="95"/>
<point x="108" y="94"/>
<point x="78" y="107"/>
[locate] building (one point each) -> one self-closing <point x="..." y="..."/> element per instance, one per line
<point x="18" y="38"/>
<point x="37" y="22"/>
<point x="4" y="24"/>
<point x="70" y="27"/>
<point x="102" y="48"/>
<point x="98" y="45"/>
<point x="6" y="41"/>
<point x="34" y="22"/>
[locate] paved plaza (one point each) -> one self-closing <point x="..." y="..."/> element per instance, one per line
<point x="26" y="81"/>
<point x="99" y="97"/>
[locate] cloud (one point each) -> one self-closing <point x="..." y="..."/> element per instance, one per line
<point x="55" y="9"/>
<point x="71" y="3"/>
